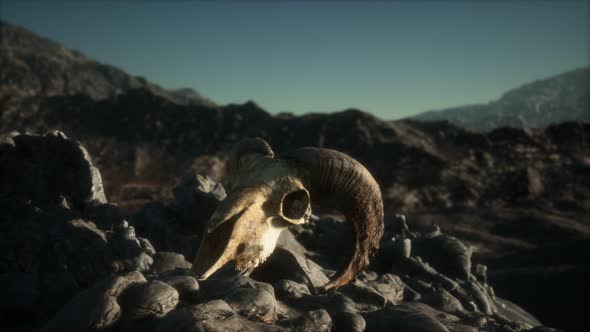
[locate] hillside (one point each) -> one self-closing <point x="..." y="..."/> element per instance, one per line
<point x="561" y="98"/>
<point x="33" y="66"/>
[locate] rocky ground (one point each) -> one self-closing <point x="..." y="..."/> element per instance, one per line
<point x="519" y="197"/>
<point x="73" y="261"/>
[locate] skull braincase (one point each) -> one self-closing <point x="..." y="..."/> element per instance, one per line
<point x="264" y="198"/>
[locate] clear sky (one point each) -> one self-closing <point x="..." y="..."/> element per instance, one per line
<point x="390" y="58"/>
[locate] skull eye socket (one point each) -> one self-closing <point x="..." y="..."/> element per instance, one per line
<point x="295" y="204"/>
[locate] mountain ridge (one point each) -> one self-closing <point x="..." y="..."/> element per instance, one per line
<point x="559" y="98"/>
<point x="35" y="65"/>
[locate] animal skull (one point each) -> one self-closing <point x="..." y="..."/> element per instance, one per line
<point x="267" y="194"/>
<point x="264" y="199"/>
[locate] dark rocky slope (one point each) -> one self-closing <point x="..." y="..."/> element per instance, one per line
<point x="71" y="261"/>
<point x="33" y="65"/>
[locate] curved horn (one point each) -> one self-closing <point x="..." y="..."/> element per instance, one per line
<point x="333" y="175"/>
<point x="248" y="145"/>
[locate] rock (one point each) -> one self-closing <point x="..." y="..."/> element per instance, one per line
<point x="288" y="242"/>
<point x="147" y="300"/>
<point x="94" y="308"/>
<point x="254" y="300"/>
<point x="341" y="308"/>
<point x="140" y="263"/>
<point x="186" y="286"/>
<point x="480" y="271"/>
<point x="446" y="254"/>
<point x="442" y="300"/>
<point x="391" y="251"/>
<point x="253" y="303"/>
<point x="284" y="264"/>
<point x="402" y="318"/>
<point x="318" y="320"/>
<point x="481" y="299"/>
<point x="290" y="289"/>
<point x="211" y="316"/>
<point x="41" y="168"/>
<point x="195" y="199"/>
<point x="105" y="215"/>
<point x="19" y="293"/>
<point x="374" y="295"/>
<point x="512" y="312"/>
<point x="147" y="246"/>
<point x="159" y="224"/>
<point x="169" y="261"/>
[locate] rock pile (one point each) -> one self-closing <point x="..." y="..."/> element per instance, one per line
<point x="71" y="261"/>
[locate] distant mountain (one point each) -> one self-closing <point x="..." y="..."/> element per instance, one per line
<point x="33" y="65"/>
<point x="561" y="98"/>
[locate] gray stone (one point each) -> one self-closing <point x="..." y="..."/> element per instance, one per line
<point x="289" y="289"/>
<point x="19" y="293"/>
<point x="187" y="286"/>
<point x="442" y="300"/>
<point x="211" y="316"/>
<point x="446" y="254"/>
<point x="402" y="318"/>
<point x="253" y="303"/>
<point x="94" y="308"/>
<point x="151" y="299"/>
<point x="284" y="264"/>
<point x="317" y="320"/>
<point x="169" y="261"/>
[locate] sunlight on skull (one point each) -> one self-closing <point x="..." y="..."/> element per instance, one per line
<point x="264" y="199"/>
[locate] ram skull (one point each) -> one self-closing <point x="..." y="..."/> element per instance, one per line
<point x="267" y="194"/>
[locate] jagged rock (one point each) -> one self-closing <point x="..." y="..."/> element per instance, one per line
<point x="317" y="320"/>
<point x="148" y="300"/>
<point x="290" y="289"/>
<point x="95" y="308"/>
<point x="330" y="238"/>
<point x="169" y="261"/>
<point x="442" y="300"/>
<point x="253" y="303"/>
<point x="254" y="300"/>
<point x="446" y="254"/>
<point x="288" y="242"/>
<point x="391" y="251"/>
<point x="370" y="295"/>
<point x="341" y="308"/>
<point x="159" y="224"/>
<point x="186" y="286"/>
<point x="195" y="199"/>
<point x="19" y="293"/>
<point x="42" y="168"/>
<point x="512" y="312"/>
<point x="403" y="319"/>
<point x="211" y="316"/>
<point x="284" y="264"/>
<point x="105" y="215"/>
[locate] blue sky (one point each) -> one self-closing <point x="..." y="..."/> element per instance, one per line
<point x="393" y="59"/>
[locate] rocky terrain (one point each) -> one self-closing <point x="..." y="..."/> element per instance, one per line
<point x="561" y="98"/>
<point x="519" y="197"/>
<point x="72" y="261"/>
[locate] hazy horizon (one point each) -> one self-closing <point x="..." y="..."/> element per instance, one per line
<point x="393" y="59"/>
